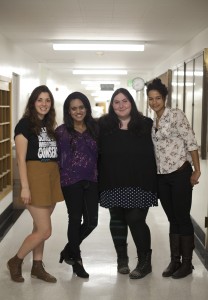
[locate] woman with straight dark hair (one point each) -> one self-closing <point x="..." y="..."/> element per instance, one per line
<point x="176" y="150"/>
<point x="39" y="176"/>
<point x="77" y="158"/>
<point x="127" y="179"/>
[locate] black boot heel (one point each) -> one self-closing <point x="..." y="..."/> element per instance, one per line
<point x="61" y="258"/>
<point x="79" y="270"/>
<point x="66" y="256"/>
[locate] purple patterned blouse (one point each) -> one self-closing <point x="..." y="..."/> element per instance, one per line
<point x="77" y="156"/>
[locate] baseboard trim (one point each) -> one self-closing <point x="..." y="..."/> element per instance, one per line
<point x="7" y="219"/>
<point x="200" y="250"/>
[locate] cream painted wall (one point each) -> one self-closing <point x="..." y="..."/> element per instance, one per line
<point x="189" y="50"/>
<point x="31" y="74"/>
<point x="5" y="202"/>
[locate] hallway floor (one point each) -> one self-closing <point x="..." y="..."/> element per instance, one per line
<point x="100" y="262"/>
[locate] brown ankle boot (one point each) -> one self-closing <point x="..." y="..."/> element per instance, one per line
<point x="39" y="272"/>
<point x="15" y="267"/>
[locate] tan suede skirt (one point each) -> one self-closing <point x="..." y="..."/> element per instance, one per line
<point x="44" y="183"/>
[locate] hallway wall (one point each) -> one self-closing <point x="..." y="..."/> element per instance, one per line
<point x="31" y="73"/>
<point x="188" y="50"/>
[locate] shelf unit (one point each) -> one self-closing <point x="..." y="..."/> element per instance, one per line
<point x="5" y="137"/>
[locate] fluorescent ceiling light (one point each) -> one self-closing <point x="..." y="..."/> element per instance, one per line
<point x="100" y="46"/>
<point x="101" y="99"/>
<point x="98" y="82"/>
<point x="99" y="72"/>
<point x="181" y="84"/>
<point x="102" y="94"/>
<point x="189" y="73"/>
<point x="92" y="87"/>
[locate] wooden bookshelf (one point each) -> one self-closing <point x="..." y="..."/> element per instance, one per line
<point x="5" y="137"/>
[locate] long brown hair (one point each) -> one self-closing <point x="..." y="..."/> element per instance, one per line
<point x="31" y="113"/>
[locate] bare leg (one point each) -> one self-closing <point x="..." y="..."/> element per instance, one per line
<point x="41" y="232"/>
<point x="38" y="251"/>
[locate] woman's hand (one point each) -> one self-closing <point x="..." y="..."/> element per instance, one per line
<point x="196" y="173"/>
<point x="25" y="195"/>
<point x="195" y="177"/>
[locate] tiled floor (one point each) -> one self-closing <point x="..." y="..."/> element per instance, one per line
<point x="100" y="261"/>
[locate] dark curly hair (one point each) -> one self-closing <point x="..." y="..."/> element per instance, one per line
<point x="111" y="122"/>
<point x="157" y="85"/>
<point x="31" y="113"/>
<point x="90" y="122"/>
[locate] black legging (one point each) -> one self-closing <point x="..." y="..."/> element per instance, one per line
<point x="175" y="193"/>
<point x="81" y="200"/>
<point x="135" y="218"/>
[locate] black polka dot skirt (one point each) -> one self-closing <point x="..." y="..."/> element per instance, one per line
<point x="128" y="197"/>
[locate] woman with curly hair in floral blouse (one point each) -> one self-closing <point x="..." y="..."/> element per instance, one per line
<point x="176" y="150"/>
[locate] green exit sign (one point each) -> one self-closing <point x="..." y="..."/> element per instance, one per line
<point x="129" y="83"/>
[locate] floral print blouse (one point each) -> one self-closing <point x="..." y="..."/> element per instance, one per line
<point x="173" y="140"/>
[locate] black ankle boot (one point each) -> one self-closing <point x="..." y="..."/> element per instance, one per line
<point x="122" y="259"/>
<point x="79" y="270"/>
<point x="143" y="267"/>
<point x="122" y="265"/>
<point x="66" y="256"/>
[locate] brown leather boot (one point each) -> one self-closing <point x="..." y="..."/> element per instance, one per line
<point x="15" y="267"/>
<point x="39" y="272"/>
<point x="175" y="251"/>
<point x="187" y="247"/>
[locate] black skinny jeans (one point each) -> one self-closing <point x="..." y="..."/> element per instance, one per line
<point x="81" y="201"/>
<point x="135" y="219"/>
<point x="175" y="194"/>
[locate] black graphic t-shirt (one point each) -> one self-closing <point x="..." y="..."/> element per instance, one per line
<point x="40" y="147"/>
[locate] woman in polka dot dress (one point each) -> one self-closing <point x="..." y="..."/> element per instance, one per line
<point x="127" y="179"/>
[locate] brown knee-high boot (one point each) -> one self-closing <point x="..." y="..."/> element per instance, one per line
<point x="15" y="267"/>
<point x="39" y="272"/>
<point x="175" y="253"/>
<point x="187" y="247"/>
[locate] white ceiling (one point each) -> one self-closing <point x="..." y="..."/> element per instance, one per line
<point x="164" y="25"/>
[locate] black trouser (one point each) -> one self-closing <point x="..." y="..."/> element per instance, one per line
<point x="81" y="201"/>
<point x="134" y="218"/>
<point x="175" y="193"/>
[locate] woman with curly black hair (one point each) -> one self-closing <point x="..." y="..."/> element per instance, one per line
<point x="127" y="179"/>
<point x="175" y="150"/>
<point x="77" y="159"/>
